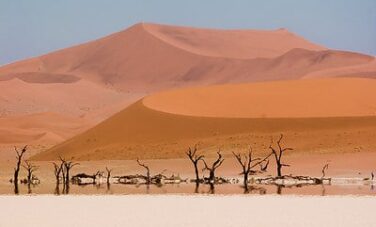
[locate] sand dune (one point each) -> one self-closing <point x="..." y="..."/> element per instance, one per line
<point x="241" y="44"/>
<point x="73" y="99"/>
<point x="140" y="131"/>
<point x="96" y="79"/>
<point x="347" y="97"/>
<point x="149" y="57"/>
<point x="45" y="127"/>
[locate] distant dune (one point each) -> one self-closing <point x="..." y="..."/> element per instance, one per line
<point x="227" y="117"/>
<point x="33" y="129"/>
<point x="150" y="57"/>
<point x="94" y="80"/>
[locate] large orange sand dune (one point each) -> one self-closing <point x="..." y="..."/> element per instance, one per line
<point x="96" y="79"/>
<point x="147" y="130"/>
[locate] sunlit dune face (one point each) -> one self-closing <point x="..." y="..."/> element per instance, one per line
<point x="339" y="97"/>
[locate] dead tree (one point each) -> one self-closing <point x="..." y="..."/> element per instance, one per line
<point x="108" y="174"/>
<point x="30" y="168"/>
<point x="214" y="166"/>
<point x="195" y="159"/>
<point x="17" y="168"/>
<point x="326" y="166"/>
<point x="67" y="166"/>
<point x="95" y="175"/>
<point x="58" y="170"/>
<point x="265" y="167"/>
<point x="148" y="180"/>
<point x="278" y="155"/>
<point x="247" y="165"/>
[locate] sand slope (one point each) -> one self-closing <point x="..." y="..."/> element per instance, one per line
<point x="149" y="57"/>
<point x="283" y="99"/>
<point x="96" y="79"/>
<point x="42" y="127"/>
<point x="238" y="44"/>
<point x="139" y="131"/>
<point x="18" y="97"/>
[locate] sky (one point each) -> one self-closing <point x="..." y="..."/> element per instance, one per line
<point x="33" y="27"/>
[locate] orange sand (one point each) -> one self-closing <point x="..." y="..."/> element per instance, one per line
<point x="139" y="131"/>
<point x="96" y="79"/>
<point x="346" y="97"/>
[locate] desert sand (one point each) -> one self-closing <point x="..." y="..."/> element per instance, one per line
<point x="95" y="80"/>
<point x="339" y="97"/>
<point x="311" y="113"/>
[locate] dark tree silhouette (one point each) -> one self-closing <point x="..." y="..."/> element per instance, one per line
<point x="148" y="179"/>
<point x="30" y="168"/>
<point x="195" y="159"/>
<point x="213" y="167"/>
<point x="58" y="170"/>
<point x="108" y="174"/>
<point x="278" y="155"/>
<point x="65" y="171"/>
<point x="263" y="168"/>
<point x="19" y="155"/>
<point x="326" y="167"/>
<point x="247" y="165"/>
<point x="95" y="175"/>
<point x="108" y="178"/>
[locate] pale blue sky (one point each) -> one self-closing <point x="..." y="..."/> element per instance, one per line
<point x="33" y="27"/>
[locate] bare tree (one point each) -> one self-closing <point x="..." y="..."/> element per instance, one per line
<point x="30" y="168"/>
<point x="95" y="175"/>
<point x="17" y="168"/>
<point x="324" y="168"/>
<point x="195" y="159"/>
<point x="68" y="166"/>
<point x="263" y="168"/>
<point x="108" y="174"/>
<point x="214" y="166"/>
<point x="65" y="170"/>
<point x="148" y="180"/>
<point x="247" y="165"/>
<point x="58" y="171"/>
<point x="278" y="155"/>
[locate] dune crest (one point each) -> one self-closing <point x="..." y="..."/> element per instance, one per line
<point x="238" y="44"/>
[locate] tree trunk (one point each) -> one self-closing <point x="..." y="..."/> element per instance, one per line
<point x="196" y="172"/>
<point x="16" y="181"/>
<point x="211" y="176"/>
<point x="67" y="177"/>
<point x="279" y="170"/>
<point x="246" y="180"/>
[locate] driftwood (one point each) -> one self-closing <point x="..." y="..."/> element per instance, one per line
<point x="289" y="180"/>
<point x="158" y="179"/>
<point x="83" y="178"/>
